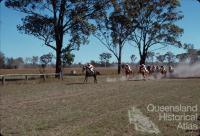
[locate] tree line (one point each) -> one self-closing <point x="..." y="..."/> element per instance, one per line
<point x="34" y="61"/>
<point x="169" y="58"/>
<point x="65" y="25"/>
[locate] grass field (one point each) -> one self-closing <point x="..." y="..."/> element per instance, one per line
<point x="71" y="108"/>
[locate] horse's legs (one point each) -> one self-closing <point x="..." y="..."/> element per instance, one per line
<point x="165" y="74"/>
<point x="85" y="81"/>
<point x="144" y="75"/>
<point x="95" y="78"/>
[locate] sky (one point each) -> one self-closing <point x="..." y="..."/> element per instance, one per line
<point x="15" y="44"/>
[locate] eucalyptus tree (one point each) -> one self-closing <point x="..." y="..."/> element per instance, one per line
<point x="133" y="58"/>
<point x="67" y="57"/>
<point x="105" y="57"/>
<point x="170" y="57"/>
<point x="150" y="56"/>
<point x="2" y="60"/>
<point x="157" y="27"/>
<point x="58" y="23"/>
<point x="161" y="58"/>
<point x="116" y="25"/>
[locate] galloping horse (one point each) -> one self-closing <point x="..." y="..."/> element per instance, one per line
<point x="144" y="72"/>
<point x="163" y="71"/>
<point x="90" y="73"/>
<point x="127" y="70"/>
<point x="149" y="68"/>
<point x="171" y="69"/>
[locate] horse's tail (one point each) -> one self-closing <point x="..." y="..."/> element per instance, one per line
<point x="98" y="73"/>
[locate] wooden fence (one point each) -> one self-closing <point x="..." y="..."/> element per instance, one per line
<point x="3" y="78"/>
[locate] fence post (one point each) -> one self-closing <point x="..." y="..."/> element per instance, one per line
<point x="61" y="75"/>
<point x="26" y="77"/>
<point x="3" y="80"/>
<point x="44" y="76"/>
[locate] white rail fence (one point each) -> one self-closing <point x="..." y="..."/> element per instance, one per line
<point x="5" y="77"/>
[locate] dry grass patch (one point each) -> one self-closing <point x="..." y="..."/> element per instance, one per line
<point x="74" y="109"/>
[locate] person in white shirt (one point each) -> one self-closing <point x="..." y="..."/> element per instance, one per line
<point x="91" y="67"/>
<point x="128" y="67"/>
<point x="144" y="67"/>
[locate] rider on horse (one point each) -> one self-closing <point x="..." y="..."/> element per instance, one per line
<point x="90" y="71"/>
<point x="91" y="67"/>
<point x="149" y="68"/>
<point x="153" y="68"/>
<point x="171" y="69"/>
<point x="163" y="70"/>
<point x="143" y="67"/>
<point x="127" y="67"/>
<point x="157" y="69"/>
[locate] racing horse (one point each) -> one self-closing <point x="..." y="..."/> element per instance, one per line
<point x="163" y="71"/>
<point x="89" y="73"/>
<point x="171" y="69"/>
<point x="149" y="68"/>
<point x="143" y="71"/>
<point x="128" y="71"/>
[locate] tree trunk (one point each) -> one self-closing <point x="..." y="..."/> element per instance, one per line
<point x="119" y="61"/>
<point x="58" y="61"/>
<point x="143" y="59"/>
<point x="119" y="67"/>
<point x="59" y="42"/>
<point x="58" y="57"/>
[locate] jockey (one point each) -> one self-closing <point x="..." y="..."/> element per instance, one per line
<point x="91" y="67"/>
<point x="171" y="69"/>
<point x="149" y="68"/>
<point x="162" y="68"/>
<point x="128" y="67"/>
<point x="157" y="69"/>
<point x="144" y="67"/>
<point x="153" y="68"/>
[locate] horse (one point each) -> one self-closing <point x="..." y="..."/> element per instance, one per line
<point x="144" y="72"/>
<point x="171" y="69"/>
<point x="150" y="69"/>
<point x="127" y="70"/>
<point x="89" y="73"/>
<point x="163" y="71"/>
<point x="153" y="69"/>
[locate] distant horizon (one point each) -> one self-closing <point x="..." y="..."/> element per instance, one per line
<point x="13" y="44"/>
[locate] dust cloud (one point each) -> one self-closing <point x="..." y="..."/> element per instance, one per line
<point x="187" y="70"/>
<point x="180" y="71"/>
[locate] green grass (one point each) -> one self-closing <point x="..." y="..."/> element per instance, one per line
<point x="70" y="108"/>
